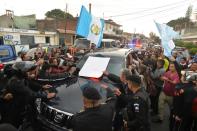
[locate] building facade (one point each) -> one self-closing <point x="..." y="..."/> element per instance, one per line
<point x="27" y="37"/>
<point x="65" y="29"/>
<point x="194" y="16"/>
<point x="112" y="30"/>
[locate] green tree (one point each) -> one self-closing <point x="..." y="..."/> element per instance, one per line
<point x="189" y="12"/>
<point x="179" y="24"/>
<point x="182" y="22"/>
<point x="189" y="45"/>
<point x="58" y="14"/>
<point x="154" y="38"/>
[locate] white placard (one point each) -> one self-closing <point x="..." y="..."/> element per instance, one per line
<point x="94" y="67"/>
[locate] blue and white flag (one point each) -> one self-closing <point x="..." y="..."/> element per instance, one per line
<point x="90" y="27"/>
<point x="167" y="34"/>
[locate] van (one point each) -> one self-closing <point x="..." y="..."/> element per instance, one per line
<point x="7" y="55"/>
<point x="108" y="43"/>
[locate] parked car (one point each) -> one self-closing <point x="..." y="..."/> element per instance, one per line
<point x="85" y="45"/>
<point x="54" y="113"/>
<point x="82" y="43"/>
<point x="108" y="43"/>
<point x="7" y="55"/>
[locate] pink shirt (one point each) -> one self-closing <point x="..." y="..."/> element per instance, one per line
<point x="169" y="88"/>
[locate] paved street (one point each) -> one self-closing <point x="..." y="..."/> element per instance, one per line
<point x="163" y="126"/>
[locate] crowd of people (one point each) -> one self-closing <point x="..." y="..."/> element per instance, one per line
<point x="144" y="87"/>
<point x="170" y="81"/>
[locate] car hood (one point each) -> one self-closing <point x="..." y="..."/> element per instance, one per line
<point x="69" y="94"/>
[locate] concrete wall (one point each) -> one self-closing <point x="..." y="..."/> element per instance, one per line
<point x="13" y="36"/>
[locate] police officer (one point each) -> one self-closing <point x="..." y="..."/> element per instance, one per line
<point x="18" y="94"/>
<point x="7" y="127"/>
<point x="121" y="83"/>
<point x="96" y="116"/>
<point x="136" y="113"/>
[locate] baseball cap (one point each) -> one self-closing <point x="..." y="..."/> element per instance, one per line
<point x="24" y="66"/>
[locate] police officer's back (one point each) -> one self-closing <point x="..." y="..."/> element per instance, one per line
<point x="96" y="116"/>
<point x="14" y="107"/>
<point x="136" y="113"/>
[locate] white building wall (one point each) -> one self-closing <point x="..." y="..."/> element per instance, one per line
<point x="39" y="39"/>
<point x="194" y="16"/>
<point x="13" y="36"/>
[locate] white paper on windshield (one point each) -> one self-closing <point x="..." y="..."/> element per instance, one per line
<point x="94" y="67"/>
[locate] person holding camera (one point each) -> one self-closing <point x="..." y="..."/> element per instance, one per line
<point x="158" y="83"/>
<point x="185" y="101"/>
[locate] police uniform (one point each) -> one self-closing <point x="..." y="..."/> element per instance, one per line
<point x="13" y="110"/>
<point x="97" y="118"/>
<point x="118" y="119"/>
<point x="136" y="114"/>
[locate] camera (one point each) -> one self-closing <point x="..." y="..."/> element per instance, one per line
<point x="190" y="76"/>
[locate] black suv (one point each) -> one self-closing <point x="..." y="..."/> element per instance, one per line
<point x="54" y="114"/>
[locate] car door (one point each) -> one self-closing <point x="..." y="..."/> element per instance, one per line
<point x="7" y="53"/>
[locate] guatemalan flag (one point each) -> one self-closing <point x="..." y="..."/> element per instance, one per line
<point x="167" y="34"/>
<point x="90" y="27"/>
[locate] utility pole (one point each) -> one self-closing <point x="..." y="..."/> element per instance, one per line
<point x="10" y="14"/>
<point x="66" y="23"/>
<point x="90" y="8"/>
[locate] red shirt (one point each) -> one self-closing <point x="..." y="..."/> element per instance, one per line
<point x="55" y="70"/>
<point x="169" y="88"/>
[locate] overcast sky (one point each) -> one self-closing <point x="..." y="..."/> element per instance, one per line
<point x="133" y="15"/>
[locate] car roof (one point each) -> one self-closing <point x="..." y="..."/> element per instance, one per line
<point x="116" y="52"/>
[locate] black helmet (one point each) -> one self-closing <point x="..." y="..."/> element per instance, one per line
<point x="24" y="66"/>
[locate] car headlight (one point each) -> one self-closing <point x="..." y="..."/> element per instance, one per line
<point x="59" y="117"/>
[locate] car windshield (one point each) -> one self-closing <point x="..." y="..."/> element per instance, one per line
<point x="114" y="66"/>
<point x="84" y="44"/>
<point x="4" y="53"/>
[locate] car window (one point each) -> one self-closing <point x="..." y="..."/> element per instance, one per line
<point x="84" y="44"/>
<point x="4" y="53"/>
<point x="107" y="44"/>
<point x="114" y="66"/>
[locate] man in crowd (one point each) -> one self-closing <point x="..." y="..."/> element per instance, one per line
<point x="170" y="78"/>
<point x="156" y="77"/>
<point x="185" y="102"/>
<point x="96" y="116"/>
<point x="136" y="114"/>
<point x="20" y="92"/>
<point x="121" y="80"/>
<point x="121" y="83"/>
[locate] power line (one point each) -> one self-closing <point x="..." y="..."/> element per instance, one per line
<point x="138" y="12"/>
<point x="168" y="9"/>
